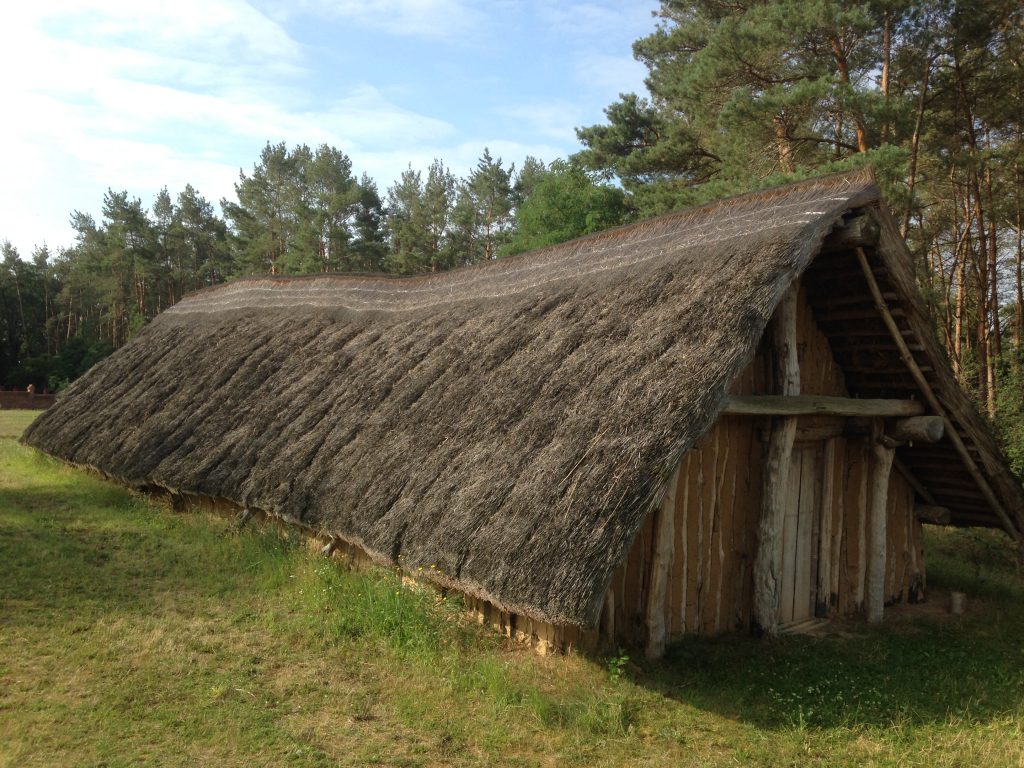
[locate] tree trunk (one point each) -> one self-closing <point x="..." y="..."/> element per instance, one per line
<point x="1019" y="271"/>
<point x="915" y="143"/>
<point x="886" y="62"/>
<point x="782" y="142"/>
<point x="843" y="66"/>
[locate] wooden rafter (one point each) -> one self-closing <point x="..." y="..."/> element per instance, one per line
<point x="930" y="396"/>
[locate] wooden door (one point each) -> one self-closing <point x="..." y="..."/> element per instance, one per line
<point x="800" y="531"/>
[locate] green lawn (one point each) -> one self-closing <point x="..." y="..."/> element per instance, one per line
<point x="130" y="635"/>
<point x="13" y="423"/>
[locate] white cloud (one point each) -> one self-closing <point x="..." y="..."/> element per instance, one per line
<point x="586" y="26"/>
<point x="597" y="20"/>
<point x="407" y="18"/>
<point x="117" y="97"/>
<point x="554" y="119"/>
<point x="225" y="30"/>
<point x="610" y="74"/>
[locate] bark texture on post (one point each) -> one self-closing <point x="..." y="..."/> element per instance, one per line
<point x="878" y="502"/>
<point x="922" y="429"/>
<point x="823" y="591"/>
<point x="661" y="563"/>
<point x="931" y="513"/>
<point x="818" y="405"/>
<point x="768" y="560"/>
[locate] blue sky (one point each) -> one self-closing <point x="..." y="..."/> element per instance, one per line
<point x="138" y="95"/>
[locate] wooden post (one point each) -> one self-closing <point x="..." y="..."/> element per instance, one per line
<point x="822" y="601"/>
<point x="608" y="617"/>
<point x="661" y="562"/>
<point x="768" y="560"/>
<point x="930" y="513"/>
<point x="878" y="500"/>
<point x="921" y="429"/>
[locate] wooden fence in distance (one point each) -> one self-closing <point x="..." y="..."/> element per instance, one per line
<point x="25" y="401"/>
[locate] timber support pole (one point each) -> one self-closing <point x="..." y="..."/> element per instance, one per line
<point x="768" y="559"/>
<point x="661" y="566"/>
<point x="882" y="455"/>
<point x="243" y="517"/>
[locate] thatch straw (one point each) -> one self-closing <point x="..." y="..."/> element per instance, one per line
<point x="506" y="427"/>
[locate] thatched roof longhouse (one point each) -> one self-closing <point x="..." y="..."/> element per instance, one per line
<point x="507" y="426"/>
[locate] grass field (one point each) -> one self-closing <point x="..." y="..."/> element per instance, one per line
<point x="130" y="635"/>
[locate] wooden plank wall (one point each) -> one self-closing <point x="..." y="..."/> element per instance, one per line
<point x="715" y="521"/>
<point x="718" y="498"/>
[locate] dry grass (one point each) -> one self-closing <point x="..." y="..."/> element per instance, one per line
<point x="133" y="636"/>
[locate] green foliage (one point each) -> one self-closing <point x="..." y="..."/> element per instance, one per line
<point x="483" y="211"/>
<point x="743" y="96"/>
<point x="419" y="220"/>
<point x="303" y="211"/>
<point x="1009" y="421"/>
<point x="565" y="203"/>
<point x="26" y="287"/>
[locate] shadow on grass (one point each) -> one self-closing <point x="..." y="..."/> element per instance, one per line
<point x="933" y="674"/>
<point x="918" y="672"/>
<point x="92" y="549"/>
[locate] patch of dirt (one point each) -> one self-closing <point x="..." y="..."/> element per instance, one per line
<point x="935" y="609"/>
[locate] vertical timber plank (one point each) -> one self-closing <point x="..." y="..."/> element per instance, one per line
<point x="881" y="466"/>
<point x="682" y="556"/>
<point x="693" y="512"/>
<point x="712" y="576"/>
<point x="790" y="537"/>
<point x="767" y="562"/>
<point x="860" y="585"/>
<point x="839" y="477"/>
<point x="726" y="545"/>
<point x="823" y="589"/>
<point x="807" y="506"/>
<point x="660" y="570"/>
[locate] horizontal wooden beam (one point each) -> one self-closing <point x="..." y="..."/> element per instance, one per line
<point x="958" y="492"/>
<point x="923" y="429"/>
<point x="810" y="405"/>
<point x="928" y="513"/>
<point x="862" y="231"/>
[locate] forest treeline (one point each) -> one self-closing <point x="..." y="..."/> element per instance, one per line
<point x="740" y="95"/>
<point x="299" y="211"/>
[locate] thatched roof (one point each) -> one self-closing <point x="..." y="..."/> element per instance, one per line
<point x="509" y="425"/>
